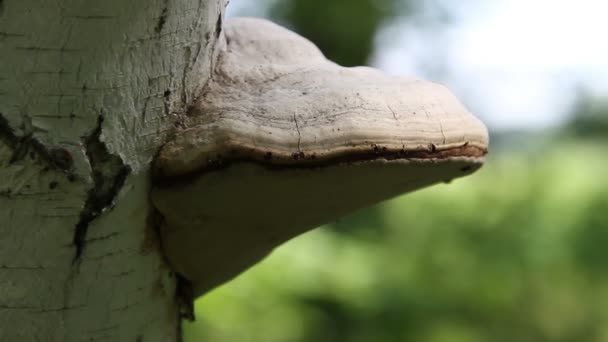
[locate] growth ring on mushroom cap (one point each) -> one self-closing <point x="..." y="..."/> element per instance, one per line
<point x="282" y="140"/>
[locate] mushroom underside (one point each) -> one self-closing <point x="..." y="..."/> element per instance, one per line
<point x="222" y="222"/>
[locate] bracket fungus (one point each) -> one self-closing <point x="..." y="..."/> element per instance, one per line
<point x="282" y="140"/>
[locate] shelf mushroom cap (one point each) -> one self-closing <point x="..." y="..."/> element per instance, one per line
<point x="282" y="140"/>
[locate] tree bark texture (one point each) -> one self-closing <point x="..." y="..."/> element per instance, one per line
<point x="89" y="90"/>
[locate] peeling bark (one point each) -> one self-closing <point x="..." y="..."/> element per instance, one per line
<point x="109" y="173"/>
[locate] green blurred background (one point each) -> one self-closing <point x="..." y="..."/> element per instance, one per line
<point x="516" y="252"/>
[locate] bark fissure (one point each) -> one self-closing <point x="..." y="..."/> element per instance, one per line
<point x="7" y="134"/>
<point x="218" y="27"/>
<point x="167" y="102"/>
<point x="109" y="174"/>
<point x="163" y="18"/>
<point x="184" y="291"/>
<point x="55" y="158"/>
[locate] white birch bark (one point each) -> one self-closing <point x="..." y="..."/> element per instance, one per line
<point x="88" y="92"/>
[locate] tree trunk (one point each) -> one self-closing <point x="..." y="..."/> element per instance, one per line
<point x="88" y="92"/>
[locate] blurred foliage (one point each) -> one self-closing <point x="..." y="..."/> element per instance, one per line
<point x="590" y="117"/>
<point x="344" y="30"/>
<point x="516" y="252"/>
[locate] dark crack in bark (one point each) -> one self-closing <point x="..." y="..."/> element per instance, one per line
<point x="56" y="158"/>
<point x="109" y="174"/>
<point x="218" y="26"/>
<point x="167" y="101"/>
<point x="184" y="291"/>
<point x="162" y="20"/>
<point x="185" y="298"/>
<point x="7" y="134"/>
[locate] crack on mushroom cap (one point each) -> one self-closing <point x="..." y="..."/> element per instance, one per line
<point x="274" y="99"/>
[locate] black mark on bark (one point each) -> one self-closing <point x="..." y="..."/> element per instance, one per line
<point x="6" y="35"/>
<point x="26" y="145"/>
<point x="6" y="193"/>
<point x="162" y="20"/>
<point x="144" y="111"/>
<point x="91" y="17"/>
<point x="109" y="173"/>
<point x="61" y="158"/>
<point x="167" y="101"/>
<point x="187" y="60"/>
<point x="46" y="49"/>
<point x="7" y="134"/>
<point x="218" y="26"/>
<point x="185" y="298"/>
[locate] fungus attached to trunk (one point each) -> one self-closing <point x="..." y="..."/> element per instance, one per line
<point x="282" y="140"/>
